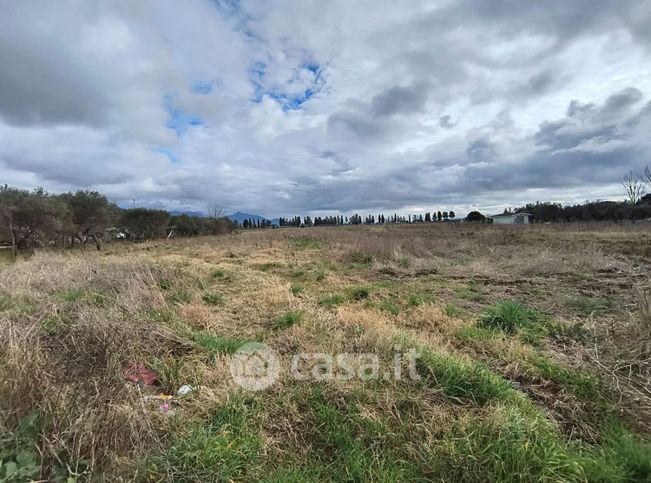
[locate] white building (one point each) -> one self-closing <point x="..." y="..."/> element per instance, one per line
<point x="511" y="219"/>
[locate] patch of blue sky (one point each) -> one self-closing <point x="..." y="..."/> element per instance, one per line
<point x="200" y="87"/>
<point x="288" y="102"/>
<point x="167" y="152"/>
<point x="256" y="75"/>
<point x="232" y="9"/>
<point x="180" y="121"/>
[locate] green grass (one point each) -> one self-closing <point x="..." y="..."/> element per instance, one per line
<point x="476" y="333"/>
<point x="359" y="293"/>
<point x="55" y="323"/>
<point x="6" y="302"/>
<point x="225" y="447"/>
<point x="179" y="296"/>
<point x="357" y="258"/>
<point x="332" y="300"/>
<point x="506" y="445"/>
<point x="212" y="299"/>
<point x="288" y="319"/>
<point x="622" y="457"/>
<point x="510" y="316"/>
<point x="582" y="385"/>
<point x="217" y="274"/>
<point x="464" y="379"/>
<point x="267" y="267"/>
<point x="390" y="307"/>
<point x="452" y="310"/>
<point x="590" y="305"/>
<point x="73" y="294"/>
<point x="403" y="262"/>
<point x="216" y="344"/>
<point x="100" y="299"/>
<point x="415" y="300"/>
<point x="306" y="244"/>
<point x="296" y="289"/>
<point x="472" y="293"/>
<point x="320" y="274"/>
<point x="344" y="445"/>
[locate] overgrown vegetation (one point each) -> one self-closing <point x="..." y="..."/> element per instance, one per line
<point x="115" y="365"/>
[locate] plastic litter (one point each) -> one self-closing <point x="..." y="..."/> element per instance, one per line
<point x="139" y="374"/>
<point x="184" y="389"/>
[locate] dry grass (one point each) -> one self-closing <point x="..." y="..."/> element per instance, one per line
<point x="70" y="322"/>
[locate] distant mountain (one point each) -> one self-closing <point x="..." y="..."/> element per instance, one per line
<point x="239" y="217"/>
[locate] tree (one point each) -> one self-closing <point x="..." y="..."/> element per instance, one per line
<point x="90" y="215"/>
<point x="634" y="187"/>
<point x="646" y="177"/>
<point x="186" y="225"/>
<point x="475" y="216"/>
<point x="143" y="223"/>
<point x="30" y="217"/>
<point x="217" y="222"/>
<point x="452" y="215"/>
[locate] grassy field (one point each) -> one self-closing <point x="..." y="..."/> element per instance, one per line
<point x="533" y="348"/>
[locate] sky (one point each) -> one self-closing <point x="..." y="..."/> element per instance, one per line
<point x="301" y="107"/>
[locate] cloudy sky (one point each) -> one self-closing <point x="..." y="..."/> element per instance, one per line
<point x="286" y="107"/>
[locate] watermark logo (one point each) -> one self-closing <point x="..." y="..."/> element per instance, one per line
<point x="255" y="366"/>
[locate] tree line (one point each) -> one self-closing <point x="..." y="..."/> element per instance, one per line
<point x="355" y="219"/>
<point x="38" y="218"/>
<point x="31" y="219"/>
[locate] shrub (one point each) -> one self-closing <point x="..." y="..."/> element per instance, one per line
<point x="19" y="458"/>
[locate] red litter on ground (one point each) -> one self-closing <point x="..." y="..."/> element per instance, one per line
<point x="139" y="374"/>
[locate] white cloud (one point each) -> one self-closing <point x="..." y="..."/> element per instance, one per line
<point x="293" y="107"/>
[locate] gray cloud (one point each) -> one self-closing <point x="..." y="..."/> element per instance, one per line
<point x="399" y="100"/>
<point x="446" y="122"/>
<point x="403" y="106"/>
